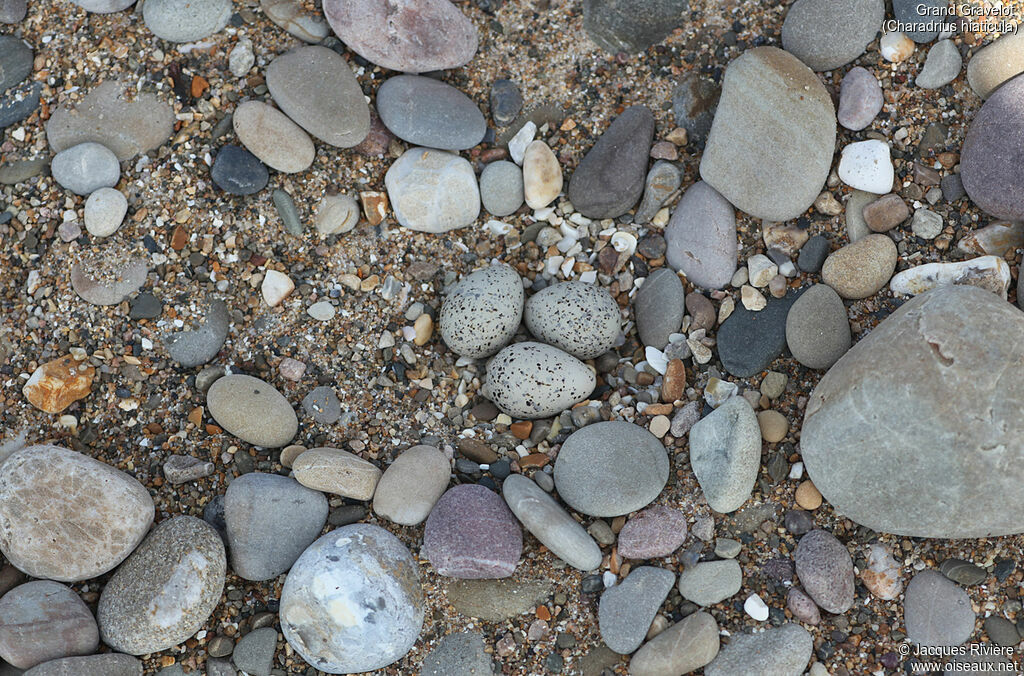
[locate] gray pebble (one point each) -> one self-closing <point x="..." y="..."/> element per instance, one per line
<point x="817" y="328"/>
<point x="626" y="610"/>
<point x="196" y="347"/>
<point x="501" y="188"/>
<point x="254" y="653"/>
<point x="179" y="469"/>
<point x="659" y="307"/>
<point x="662" y="182"/>
<point x="289" y="214"/>
<point x="186" y="20"/>
<point x="506" y="102"/>
<point x="322" y="405"/>
<point x="460" y="654"/>
<point x="941" y="66"/>
<point x="85" y="168"/>
<point x="780" y="650"/>
<point x="430" y="113"/>
<point x="825" y="569"/>
<point x="711" y="582"/>
<point x="725" y="453"/>
<point x="936" y="611"/>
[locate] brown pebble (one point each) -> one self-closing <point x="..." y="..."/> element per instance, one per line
<point x="534" y="460"/>
<point x="674" y="384"/>
<point x="477" y="451"/>
<point x="521" y="429"/>
<point x="664" y="150"/>
<point x="774" y="426"/>
<point x="808" y="496"/>
<point x="885" y="213"/>
<point x="290" y="453"/>
<point x="424" y="329"/>
<point x="57" y="384"/>
<point x="701" y="309"/>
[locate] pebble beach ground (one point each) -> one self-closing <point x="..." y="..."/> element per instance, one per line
<point x="260" y="285"/>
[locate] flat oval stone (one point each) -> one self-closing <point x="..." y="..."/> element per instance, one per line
<point x="198" y="346"/>
<point x="482" y="312"/>
<point x="725" y="454"/>
<point x="748" y="342"/>
<point x="109" y="664"/>
<point x="106" y="282"/>
<point x="533" y="380"/>
<point x="85" y="168"/>
<point x="45" y="620"/>
<point x="993" y="153"/>
<point x="431" y="113"/>
<point x="861" y="269"/>
<point x="92" y="514"/>
<point x="236" y="171"/>
<point x="611" y="468"/>
<point x="582" y="319"/>
<point x="701" y="237"/>
<point x="166" y="590"/>
<point x="15" y="61"/>
<point x="413" y="36"/>
<point x="625" y="611"/>
<point x="609" y="180"/>
<point x="996" y="63"/>
<point x="104" y="212"/>
<point x="272" y="137"/>
<point x="778" y="650"/>
<point x="817" y="328"/>
<point x="252" y="410"/>
<point x="186" y="20"/>
<point x="412" y="485"/>
<point x="936" y="611"/>
<point x="860" y="99"/>
<point x="659" y="306"/>
<point x="933" y="452"/>
<point x="682" y="648"/>
<point x="711" y="582"/>
<point x="825" y="570"/>
<point x="827" y="34"/>
<point x="353" y="601"/>
<point x="14" y="11"/>
<point x="316" y="88"/>
<point x="550" y="524"/>
<point x="542" y="175"/>
<point x="653" y="533"/>
<point x="459" y="653"/>
<point x="771" y="144"/>
<point x="333" y="470"/>
<point x="270" y="521"/>
<point x="104" y="6"/>
<point x="501" y="188"/>
<point x="433" y="190"/>
<point x="472" y="534"/>
<point x="622" y="27"/>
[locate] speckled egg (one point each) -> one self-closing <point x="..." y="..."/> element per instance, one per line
<point x="534" y="380"/>
<point x="582" y="319"/>
<point x="482" y="312"/>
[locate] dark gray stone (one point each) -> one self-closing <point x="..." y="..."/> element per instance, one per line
<point x="659" y="306"/>
<point x="993" y="153"/>
<point x="460" y="654"/>
<point x="610" y="179"/>
<point x="196" y="347"/>
<point x="506" y="102"/>
<point x="748" y="342"/>
<point x="13" y="11"/>
<point x="238" y="172"/>
<point x="694" y="102"/>
<point x="906" y="11"/>
<point x="19" y="103"/>
<point x="631" y="25"/>
<point x="145" y="306"/>
<point x="827" y="34"/>
<point x="428" y="112"/>
<point x="15" y="61"/>
<point x="963" y="572"/>
<point x="813" y="254"/>
<point x="322" y="405"/>
<point x="1001" y="631"/>
<point x="952" y="188"/>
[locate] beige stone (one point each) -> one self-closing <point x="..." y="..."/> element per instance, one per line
<point x="774" y="426"/>
<point x="542" y="175"/>
<point x="333" y="470"/>
<point x="411" y="485"/>
<point x="860" y="269"/>
<point x="252" y="410"/>
<point x="807" y="495"/>
<point x="682" y="648"/>
<point x="271" y="136"/>
<point x="996" y="63"/>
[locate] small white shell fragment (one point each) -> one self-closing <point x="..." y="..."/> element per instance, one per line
<point x="756" y="608"/>
<point x="657" y="359"/>
<point x="517" y="145"/>
<point x="624" y="242"/>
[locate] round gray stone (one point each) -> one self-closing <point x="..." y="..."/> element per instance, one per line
<point x="15" y="61"/>
<point x="626" y="610"/>
<point x="725" y="454"/>
<point x="817" y="327"/>
<point x="611" y="468"/>
<point x="827" y="34"/>
<point x="14" y="11"/>
<point x="44" y="620"/>
<point x="680" y="649"/>
<point x="322" y="405"/>
<point x="431" y="113"/>
<point x="254" y="653"/>
<point x="185" y="20"/>
<point x="198" y="346"/>
<point x="993" y="152"/>
<point x="104" y="212"/>
<point x="941" y="66"/>
<point x="825" y="570"/>
<point x="711" y="582"/>
<point x="85" y="168"/>
<point x="252" y="410"/>
<point x="501" y="188"/>
<point x="701" y="237"/>
<point x="936" y="611"/>
<point x="860" y="99"/>
<point x="582" y="319"/>
<point x="412" y="485"/>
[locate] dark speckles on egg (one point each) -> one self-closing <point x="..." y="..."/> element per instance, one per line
<point x="482" y="312"/>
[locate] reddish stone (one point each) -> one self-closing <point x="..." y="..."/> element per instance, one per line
<point x="655" y="532"/>
<point x="472" y="534"/>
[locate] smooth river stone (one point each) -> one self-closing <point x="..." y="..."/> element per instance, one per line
<point x="236" y="171"/>
<point x="433" y="190"/>
<point x="825" y="569"/>
<point x="626" y="610"/>
<point x="272" y="137"/>
<point x="45" y="620"/>
<point x="501" y="188"/>
<point x="412" y="485"/>
<point x="655" y="532"/>
<point x="748" y="342"/>
<point x="108" y="664"/>
<point x="186" y="20"/>
<point x="611" y="468"/>
<point x="14" y="11"/>
<point x="542" y="175"/>
<point x="996" y="63"/>
<point x="116" y="116"/>
<point x="936" y="611"/>
<point x="333" y="470"/>
<point x="860" y="99"/>
<point x="781" y="650"/>
<point x="270" y="521"/>
<point x="498" y="600"/>
<point x="353" y="601"/>
<point x="827" y="34"/>
<point x="482" y="312"/>
<point x="993" y="153"/>
<point x="771" y="144"/>
<point x="15" y="62"/>
<point x="684" y="647"/>
<point x="252" y="410"/>
<point x="412" y="36"/>
<point x="659" y="306"/>
<point x="711" y="582"/>
<point x="609" y="180"/>
<point x="292" y="16"/>
<point x="533" y="380"/>
<point x="166" y="590"/>
<point x="100" y="283"/>
<point x="701" y="237"/>
<point x="725" y="454"/>
<point x="630" y="26"/>
<point x="428" y="112"/>
<point x="920" y="376"/>
<point x="472" y="534"/>
<point x="818" y="328"/>
<point x="861" y="269"/>
<point x="316" y="88"/>
<point x="200" y="345"/>
<point x="92" y="515"/>
<point x="85" y="168"/>
<point x="550" y="524"/>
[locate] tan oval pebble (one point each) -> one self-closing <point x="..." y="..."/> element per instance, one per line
<point x="423" y="328"/>
<point x="774" y="426"/>
<point x="333" y="470"/>
<point x="411" y="485"/>
<point x="542" y="175"/>
<point x="272" y="137"/>
<point x="860" y="269"/>
<point x="807" y="495"/>
<point x="290" y="453"/>
<point x="252" y="410"/>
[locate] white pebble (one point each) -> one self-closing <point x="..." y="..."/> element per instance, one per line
<point x="895" y="47"/>
<point x="609" y="579"/>
<point x="756" y="608"/>
<point x="104" y="212"/>
<point x="517" y="145"/>
<point x="866" y="165"/>
<point x="657" y="359"/>
<point x="760" y="270"/>
<point x="276" y="287"/>
<point x="797" y="470"/>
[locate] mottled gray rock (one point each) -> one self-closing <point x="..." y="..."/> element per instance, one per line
<point x="270" y="520"/>
<point x="433" y="190"/>
<point x="626" y="610"/>
<point x="659" y="306"/>
<point x="993" y="152"/>
<point x="533" y="380"/>
<point x="711" y="582"/>
<point x="861" y="269"/>
<point x="254" y="653"/>
<point x="631" y="26"/>
<point x="93" y="514"/>
<point x="20" y="102"/>
<point x="610" y="178"/>
<point x="662" y="182"/>
<point x="582" y="319"/>
<point x="316" y="88"/>
<point x="427" y="112"/>
<point x="411" y="485"/>
<point x="860" y="99"/>
<point x="272" y="137"/>
<point x="13" y="11"/>
<point x="941" y="66"/>
<point x="611" y="468"/>
<point x="550" y="524"/>
<point x="104" y="212"/>
<point x="932" y="452"/>
<point x="198" y="346"/>
<point x="501" y="188"/>
<point x="916" y="12"/>
<point x="827" y="34"/>
<point x="110" y="664"/>
<point x="322" y="405"/>
<point x="772" y="141"/>
<point x="85" y="168"/>
<point x="461" y="654"/>
<point x="252" y="410"/>
<point x="179" y="469"/>
<point x="103" y="283"/>
<point x="498" y="600"/>
<point x="353" y="601"/>
<point x="682" y="648"/>
<point x="44" y="620"/>
<point x="185" y="20"/>
<point x="725" y="453"/>
<point x="421" y="35"/>
<point x="166" y="590"/>
<point x="936" y="611"/>
<point x="655" y="532"/>
<point x="701" y="237"/>
<point x="694" y="102"/>
<point x="481" y="313"/>
<point x="996" y="63"/>
<point x="15" y="61"/>
<point x="779" y="651"/>
<point x="825" y="570"/>
<point x="817" y="328"/>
